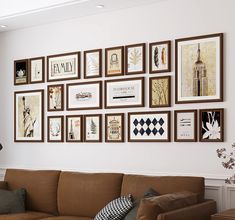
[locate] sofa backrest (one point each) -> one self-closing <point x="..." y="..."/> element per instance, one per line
<point x="41" y="187"/>
<point x="84" y="194"/>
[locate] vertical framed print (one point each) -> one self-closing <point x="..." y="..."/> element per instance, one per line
<point x="199" y="69"/>
<point x="114" y="61"/>
<point x="55" y="128"/>
<point x="55" y="97"/>
<point x="29" y="117"/>
<point x="114" y="127"/>
<point x="21" y="72"/>
<point x="92" y="63"/>
<point x="185" y="123"/>
<point x="160" y="57"/>
<point x="93" y="128"/>
<point x="37" y="70"/>
<point x="74" y="128"/>
<point x="135" y="58"/>
<point x="63" y="67"/>
<point x="160" y="92"/>
<point x="149" y="127"/>
<point x="211" y="125"/>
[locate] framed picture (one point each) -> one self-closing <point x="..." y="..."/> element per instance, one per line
<point x="63" y="67"/>
<point x="74" y="128"/>
<point x="199" y="69"/>
<point x="160" y="92"/>
<point x="160" y="57"/>
<point x="92" y="63"/>
<point x="211" y="125"/>
<point x="114" y="61"/>
<point x="37" y="70"/>
<point x="135" y="59"/>
<point x="124" y="93"/>
<point x="185" y="122"/>
<point x="82" y="96"/>
<point x="149" y="126"/>
<point x="114" y="127"/>
<point x="55" y="97"/>
<point x="55" y="128"/>
<point x="93" y="128"/>
<point x="29" y="117"/>
<point x="20" y="72"/>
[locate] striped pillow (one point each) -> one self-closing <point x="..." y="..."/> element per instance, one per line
<point x="116" y="209"/>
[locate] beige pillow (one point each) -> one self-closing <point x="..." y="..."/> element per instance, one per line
<point x="150" y="208"/>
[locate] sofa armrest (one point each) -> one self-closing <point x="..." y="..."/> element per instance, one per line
<point x="201" y="211"/>
<point x="3" y="185"/>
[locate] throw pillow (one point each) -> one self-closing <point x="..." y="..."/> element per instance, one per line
<point x="150" y="208"/>
<point x="12" y="201"/>
<point x="116" y="209"/>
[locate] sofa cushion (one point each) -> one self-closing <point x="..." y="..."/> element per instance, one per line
<point x="67" y="218"/>
<point x="41" y="187"/>
<point x="3" y="185"/>
<point x="24" y="216"/>
<point x="85" y="194"/>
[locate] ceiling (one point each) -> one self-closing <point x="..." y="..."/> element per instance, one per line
<point x="16" y="14"/>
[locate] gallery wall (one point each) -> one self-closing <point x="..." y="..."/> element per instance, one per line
<point x="167" y="20"/>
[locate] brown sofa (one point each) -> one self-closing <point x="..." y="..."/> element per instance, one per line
<point x="59" y="195"/>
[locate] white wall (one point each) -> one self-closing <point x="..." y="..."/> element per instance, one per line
<point x="170" y="19"/>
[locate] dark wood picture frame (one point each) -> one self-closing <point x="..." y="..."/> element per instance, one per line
<point x="62" y="98"/>
<point x="122" y="115"/>
<point x="43" y="70"/>
<point x="62" y="128"/>
<point x="221" y="58"/>
<point x="17" y="62"/>
<point x="143" y="45"/>
<point x="99" y="51"/>
<point x="81" y="128"/>
<point x="151" y="105"/>
<point x="221" y="118"/>
<point x="176" y="139"/>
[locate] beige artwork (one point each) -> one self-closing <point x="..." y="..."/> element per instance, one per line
<point x="114" y="61"/>
<point x="114" y="125"/>
<point x="74" y="128"/>
<point x="160" y="92"/>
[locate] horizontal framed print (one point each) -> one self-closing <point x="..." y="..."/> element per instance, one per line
<point x="185" y="123"/>
<point x="114" y="127"/>
<point x="114" y="61"/>
<point x="93" y="128"/>
<point x="211" y="125"/>
<point x="29" y="117"/>
<point x="160" y="92"/>
<point x="55" y="128"/>
<point x="55" y="97"/>
<point x="37" y="70"/>
<point x="125" y="93"/>
<point x="135" y="58"/>
<point x="149" y="126"/>
<point x="74" y="128"/>
<point x="82" y="96"/>
<point x="160" y="57"/>
<point x="199" y="69"/>
<point x="92" y="64"/>
<point x="63" y="67"/>
<point x="21" y="72"/>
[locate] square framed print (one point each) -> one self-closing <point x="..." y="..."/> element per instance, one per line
<point x="125" y="93"/>
<point x="74" y="128"/>
<point x="63" y="67"/>
<point x="135" y="58"/>
<point x="55" y="97"/>
<point x="114" y="127"/>
<point x="160" y="57"/>
<point x="185" y="123"/>
<point x="199" y="69"/>
<point x="93" y="128"/>
<point x="92" y="64"/>
<point x="149" y="126"/>
<point x="211" y="125"/>
<point x="82" y="96"/>
<point x="37" y="70"/>
<point x="29" y="116"/>
<point x="21" y="72"/>
<point x="114" y="61"/>
<point x="160" y="92"/>
<point x="55" y="128"/>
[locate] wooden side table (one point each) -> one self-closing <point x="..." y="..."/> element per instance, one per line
<point x="226" y="215"/>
